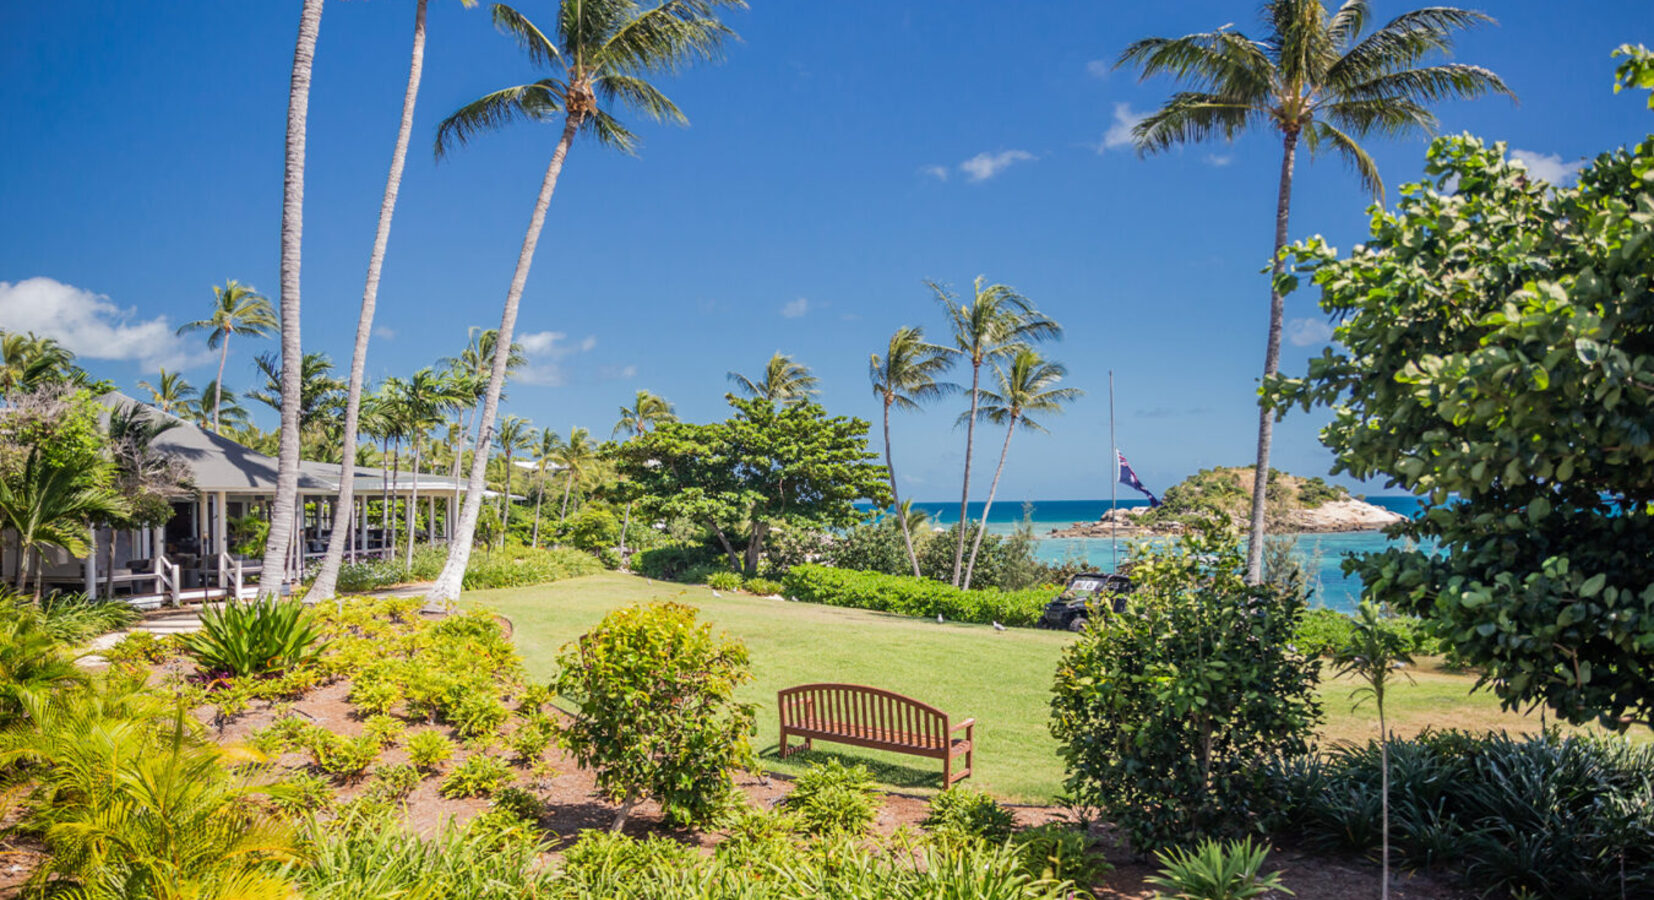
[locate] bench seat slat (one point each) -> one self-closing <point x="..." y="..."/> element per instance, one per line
<point x="869" y="717"/>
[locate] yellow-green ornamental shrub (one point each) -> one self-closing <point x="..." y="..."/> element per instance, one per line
<point x="429" y="749"/>
<point x="655" y="713"/>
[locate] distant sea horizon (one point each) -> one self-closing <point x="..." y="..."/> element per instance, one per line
<point x="1324" y="552"/>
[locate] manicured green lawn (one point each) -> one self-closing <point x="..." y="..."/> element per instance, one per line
<point x="1003" y="679"/>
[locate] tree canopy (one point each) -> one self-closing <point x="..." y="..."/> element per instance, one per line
<point x="1495" y="356"/>
<point x="765" y="466"/>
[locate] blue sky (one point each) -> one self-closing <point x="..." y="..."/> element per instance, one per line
<point x="841" y="154"/>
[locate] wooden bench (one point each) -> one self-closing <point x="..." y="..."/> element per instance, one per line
<point x="868" y="717"/>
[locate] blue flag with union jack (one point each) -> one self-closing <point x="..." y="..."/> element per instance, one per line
<point x="1129" y="479"/>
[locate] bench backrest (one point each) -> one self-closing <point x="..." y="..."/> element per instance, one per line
<point x="866" y="713"/>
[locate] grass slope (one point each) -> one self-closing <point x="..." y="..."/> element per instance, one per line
<point x="1003" y="679"/>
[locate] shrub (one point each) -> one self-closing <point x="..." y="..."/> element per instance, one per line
<point x="1169" y="737"/>
<point x="370" y="575"/>
<point x="73" y="618"/>
<point x="909" y="596"/>
<point x="834" y="798"/>
<point x="478" y="776"/>
<point x="300" y="793"/>
<point x="384" y="729"/>
<point x="255" y="638"/>
<point x="1056" y="852"/>
<point x="961" y="810"/>
<point x="429" y="749"/>
<point x="519" y="803"/>
<point x="1326" y="632"/>
<point x="674" y="562"/>
<point x="763" y="587"/>
<point x="1216" y="871"/>
<point x="376" y="696"/>
<point x="724" y="581"/>
<point x="474" y="711"/>
<point x="393" y="781"/>
<point x="528" y="743"/>
<point x="654" y="709"/>
<point x="1549" y="815"/>
<point x="142" y="648"/>
<point x="592" y="529"/>
<point x="340" y="756"/>
<point x="372" y="854"/>
<point x="519" y="566"/>
<point x="284" y="735"/>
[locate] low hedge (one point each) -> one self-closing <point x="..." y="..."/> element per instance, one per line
<point x="909" y="596"/>
<point x="516" y="566"/>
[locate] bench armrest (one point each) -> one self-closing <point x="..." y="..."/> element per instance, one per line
<point x="965" y="724"/>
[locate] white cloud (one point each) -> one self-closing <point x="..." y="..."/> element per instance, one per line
<point x="383" y="333"/>
<point x="1308" y="332"/>
<point x="984" y="166"/>
<point x="93" y="327"/>
<point x="1099" y="68"/>
<point x="1119" y="134"/>
<point x="616" y="373"/>
<point x="794" y="309"/>
<point x="940" y="173"/>
<point x="1219" y="159"/>
<point x="546" y="351"/>
<point x="1548" y="167"/>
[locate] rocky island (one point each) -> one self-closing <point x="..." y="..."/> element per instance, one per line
<point x="1296" y="505"/>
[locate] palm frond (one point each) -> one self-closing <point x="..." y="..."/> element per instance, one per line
<point x="640" y="95"/>
<point x="540" y="49"/>
<point x="1348" y="22"/>
<point x="611" y="133"/>
<point x="1324" y="135"/>
<point x="1391" y="116"/>
<point x="1451" y="81"/>
<point x="1220" y="61"/>
<point x="1191" y="117"/>
<point x="1402" y="42"/>
<point x="668" y="37"/>
<point x="535" y="102"/>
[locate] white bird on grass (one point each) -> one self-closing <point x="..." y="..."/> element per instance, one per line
<point x="998" y="627"/>
<point x="938" y="618"/>
<point x="715" y="593"/>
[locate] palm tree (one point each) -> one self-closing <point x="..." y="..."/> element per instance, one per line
<point x="1313" y="79"/>
<point x="28" y="361"/>
<point x="320" y="394"/>
<point x="905" y="378"/>
<point x="784" y="381"/>
<point x="284" y="511"/>
<point x="647" y="411"/>
<point x="1027" y="385"/>
<point x="427" y="398"/>
<point x="544" y="452"/>
<point x="237" y="309"/>
<point x="996" y="322"/>
<point x="327" y="577"/>
<point x="231" y="414"/>
<point x="578" y="456"/>
<point x="149" y="479"/>
<point x="515" y="434"/>
<point x="172" y="394"/>
<point x="52" y="506"/>
<point x="602" y="51"/>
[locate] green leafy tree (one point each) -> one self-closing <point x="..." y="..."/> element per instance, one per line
<point x="1027" y="385"/>
<point x="655" y="713"/>
<point x="515" y="434"/>
<point x="784" y="381"/>
<point x="647" y="411"/>
<point x="579" y="457"/>
<point x="904" y="378"/>
<point x="1168" y="736"/>
<point x="237" y="309"/>
<point x="1314" y="80"/>
<point x="600" y="54"/>
<point x="1494" y="358"/>
<point x="1374" y="656"/>
<point x="149" y="479"/>
<point x="792" y="466"/>
<point x="28" y="362"/>
<point x="993" y="324"/>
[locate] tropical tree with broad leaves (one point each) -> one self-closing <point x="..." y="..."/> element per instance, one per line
<point x="237" y="309"/>
<point x="995" y="323"/>
<point x="173" y="395"/>
<point x="578" y="456"/>
<point x="1316" y="81"/>
<point x="1028" y="384"/>
<point x="28" y="362"/>
<point x="516" y="433"/>
<point x="284" y="510"/>
<point x="905" y="378"/>
<point x="784" y="381"/>
<point x="328" y="575"/>
<point x="600" y="53"/>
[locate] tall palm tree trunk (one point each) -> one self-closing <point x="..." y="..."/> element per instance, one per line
<point x="890" y="466"/>
<point x="447" y="587"/>
<point x="568" y="485"/>
<point x="539" y="497"/>
<point x="218" y="384"/>
<point x="328" y="577"/>
<point x="965" y="493"/>
<point x="505" y="500"/>
<point x="1271" y="365"/>
<point x="390" y="510"/>
<point x="275" y="569"/>
<point x="413" y="504"/>
<point x="976" y="543"/>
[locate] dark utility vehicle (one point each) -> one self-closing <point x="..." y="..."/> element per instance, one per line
<point x="1086" y="590"/>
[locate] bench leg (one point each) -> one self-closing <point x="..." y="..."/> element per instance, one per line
<point x="947" y="771"/>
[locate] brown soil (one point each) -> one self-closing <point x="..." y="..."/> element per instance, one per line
<point x="573" y="806"/>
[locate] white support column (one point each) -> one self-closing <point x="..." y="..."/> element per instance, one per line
<point x="221" y="521"/>
<point x="92" y="565"/>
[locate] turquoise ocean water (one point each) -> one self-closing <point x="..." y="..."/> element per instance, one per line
<point x="1325" y="552"/>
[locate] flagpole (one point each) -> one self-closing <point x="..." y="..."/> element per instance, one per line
<point x="1114" y="484"/>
